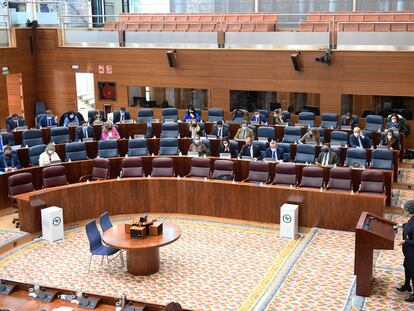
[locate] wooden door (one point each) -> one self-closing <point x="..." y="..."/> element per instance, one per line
<point x="15" y="94"/>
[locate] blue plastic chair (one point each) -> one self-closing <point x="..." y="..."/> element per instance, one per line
<point x="356" y="157"/>
<point x="59" y="135"/>
<point x="382" y="159"/>
<point x="35" y="152"/>
<point x="266" y="131"/>
<point x="169" y="130"/>
<point x="170" y="114"/>
<point x="169" y="146"/>
<point x="105" y="221"/>
<point x="291" y="134"/>
<point x="339" y="137"/>
<point x="32" y="138"/>
<point x="307" y="118"/>
<point x="96" y="246"/>
<point x="374" y="123"/>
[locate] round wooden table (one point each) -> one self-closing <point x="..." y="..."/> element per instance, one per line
<point x="143" y="255"/>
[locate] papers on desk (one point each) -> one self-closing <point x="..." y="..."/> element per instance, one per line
<point x="265" y="139"/>
<point x="87" y="139"/>
<point x="345" y="127"/>
<point x="225" y="155"/>
<point x="211" y="137"/>
<point x="139" y="136"/>
<point x="193" y="154"/>
<point x="14" y="148"/>
<point x="21" y="128"/>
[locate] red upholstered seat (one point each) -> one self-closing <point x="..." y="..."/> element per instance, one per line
<point x="200" y="167"/>
<point x="285" y="174"/>
<point x="223" y="167"/>
<point x="162" y="167"/>
<point x="100" y="169"/>
<point x="372" y="181"/>
<point x="258" y="172"/>
<point x="20" y="183"/>
<point x="340" y="179"/>
<point x="54" y="176"/>
<point x="131" y="167"/>
<point x="312" y="177"/>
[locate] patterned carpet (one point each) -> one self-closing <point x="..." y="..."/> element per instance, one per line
<point x="238" y="267"/>
<point x="401" y="195"/>
<point x="406" y="175"/>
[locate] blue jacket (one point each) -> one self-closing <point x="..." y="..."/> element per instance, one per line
<point x="11" y="161"/>
<point x="44" y="122"/>
<point x="79" y="135"/>
<point x="408" y="246"/>
<point x="74" y="121"/>
<point x="279" y="151"/>
<point x="11" y="125"/>
<point x="188" y="117"/>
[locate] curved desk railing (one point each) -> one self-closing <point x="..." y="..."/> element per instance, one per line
<point x="76" y="169"/>
<point x="228" y="199"/>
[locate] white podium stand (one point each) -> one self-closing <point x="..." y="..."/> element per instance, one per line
<point x="289" y="218"/>
<point x="52" y="223"/>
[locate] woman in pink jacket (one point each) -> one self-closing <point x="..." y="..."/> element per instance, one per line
<point x="109" y="131"/>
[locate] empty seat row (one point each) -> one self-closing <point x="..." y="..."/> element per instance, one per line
<point x="379" y="27"/>
<point x="236" y="26"/>
<point x="365" y="16"/>
<point x="197" y="18"/>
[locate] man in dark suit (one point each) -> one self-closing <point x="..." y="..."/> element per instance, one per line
<point x="9" y="160"/>
<point x="84" y="131"/>
<point x="219" y="130"/>
<point x="250" y="150"/>
<point x="121" y="115"/>
<point x="47" y="120"/>
<point x="358" y="140"/>
<point x="327" y="157"/>
<point x="15" y="121"/>
<point x="274" y="152"/>
<point x="408" y="250"/>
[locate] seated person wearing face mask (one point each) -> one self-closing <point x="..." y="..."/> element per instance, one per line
<point x="274" y="152"/>
<point x="71" y="119"/>
<point x="258" y="117"/>
<point x="190" y="114"/>
<point x="97" y="117"/>
<point x="390" y="140"/>
<point x="394" y="122"/>
<point x="358" y="140"/>
<point x="219" y="130"/>
<point x="84" y="131"/>
<point x="198" y="146"/>
<point x="49" y="155"/>
<point x="47" y="120"/>
<point x="109" y="131"/>
<point x="278" y="117"/>
<point x="9" y="160"/>
<point x="194" y="129"/>
<point x="226" y="147"/>
<point x="327" y="157"/>
<point x="250" y="150"/>
<point x="311" y="136"/>
<point x="15" y="121"/>
<point x="244" y="132"/>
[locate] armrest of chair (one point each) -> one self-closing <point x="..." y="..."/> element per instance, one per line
<point x="85" y="178"/>
<point x="246" y="180"/>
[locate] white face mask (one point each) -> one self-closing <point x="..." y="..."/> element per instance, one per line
<point x="71" y="116"/>
<point x="50" y="152"/>
<point x="394" y="120"/>
<point x="49" y="118"/>
<point x="225" y="144"/>
<point x="389" y="136"/>
<point x="273" y="148"/>
<point x="356" y="134"/>
<point x="244" y="127"/>
<point x="196" y="141"/>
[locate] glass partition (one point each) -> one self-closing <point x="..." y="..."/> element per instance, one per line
<point x="160" y="97"/>
<point x="362" y="105"/>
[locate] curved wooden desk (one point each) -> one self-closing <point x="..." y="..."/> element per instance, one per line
<point x="143" y="255"/>
<point x="238" y="200"/>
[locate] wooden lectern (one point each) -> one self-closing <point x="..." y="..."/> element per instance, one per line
<point x="372" y="232"/>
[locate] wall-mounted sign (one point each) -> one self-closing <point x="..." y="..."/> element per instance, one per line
<point x="107" y="90"/>
<point x="5" y="70"/>
<point x="108" y="69"/>
<point x="75" y="67"/>
<point x="101" y="69"/>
